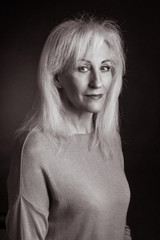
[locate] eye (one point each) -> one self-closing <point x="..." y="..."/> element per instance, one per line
<point x="83" y="69"/>
<point x="105" y="68"/>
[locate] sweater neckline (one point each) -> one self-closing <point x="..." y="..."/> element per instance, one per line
<point x="82" y="134"/>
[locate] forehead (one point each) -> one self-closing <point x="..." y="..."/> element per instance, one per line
<point x="99" y="51"/>
<point x="95" y="45"/>
<point x="86" y="45"/>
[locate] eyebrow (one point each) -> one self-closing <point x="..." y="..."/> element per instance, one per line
<point x="85" y="60"/>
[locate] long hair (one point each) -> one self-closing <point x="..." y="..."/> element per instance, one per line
<point x="68" y="42"/>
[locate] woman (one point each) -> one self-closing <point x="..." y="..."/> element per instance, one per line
<point x="67" y="181"/>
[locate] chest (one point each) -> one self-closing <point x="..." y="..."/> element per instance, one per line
<point x="85" y="180"/>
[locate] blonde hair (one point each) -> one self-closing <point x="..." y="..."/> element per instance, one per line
<point x="67" y="42"/>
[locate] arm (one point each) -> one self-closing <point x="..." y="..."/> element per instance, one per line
<point x="28" y="212"/>
<point x="25" y="222"/>
<point x="127" y="234"/>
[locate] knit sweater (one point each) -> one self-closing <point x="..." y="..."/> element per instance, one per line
<point x="67" y="193"/>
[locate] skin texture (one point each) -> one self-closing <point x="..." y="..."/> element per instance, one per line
<point x="85" y="88"/>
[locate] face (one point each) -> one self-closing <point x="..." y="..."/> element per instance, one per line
<point x="86" y="87"/>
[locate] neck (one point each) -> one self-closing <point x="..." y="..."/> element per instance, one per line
<point x="81" y="122"/>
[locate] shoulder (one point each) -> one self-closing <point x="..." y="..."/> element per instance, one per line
<point x="26" y="163"/>
<point x="28" y="171"/>
<point x="34" y="142"/>
<point x="37" y="146"/>
<point x="38" y="156"/>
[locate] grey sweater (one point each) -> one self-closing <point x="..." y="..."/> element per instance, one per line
<point x="71" y="193"/>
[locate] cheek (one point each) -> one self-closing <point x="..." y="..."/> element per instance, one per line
<point x="75" y="86"/>
<point x="67" y="84"/>
<point x="107" y="83"/>
<point x="72" y="88"/>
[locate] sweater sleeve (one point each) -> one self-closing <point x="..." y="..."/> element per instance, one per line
<point x="25" y="222"/>
<point x="127" y="234"/>
<point x="28" y="212"/>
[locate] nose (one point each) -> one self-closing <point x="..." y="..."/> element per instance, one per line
<point x="95" y="80"/>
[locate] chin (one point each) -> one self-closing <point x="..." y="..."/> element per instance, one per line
<point x="94" y="109"/>
<point x="95" y="106"/>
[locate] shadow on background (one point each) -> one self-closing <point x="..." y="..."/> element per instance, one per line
<point x="24" y="28"/>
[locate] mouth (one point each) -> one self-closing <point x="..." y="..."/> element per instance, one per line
<point x="95" y="96"/>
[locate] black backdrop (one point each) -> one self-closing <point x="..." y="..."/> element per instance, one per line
<point x="24" y="28"/>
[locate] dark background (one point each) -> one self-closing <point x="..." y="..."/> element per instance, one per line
<point x="24" y="27"/>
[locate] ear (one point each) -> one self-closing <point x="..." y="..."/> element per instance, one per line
<point x="57" y="82"/>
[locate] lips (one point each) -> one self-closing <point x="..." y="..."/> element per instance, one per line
<point x="95" y="96"/>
